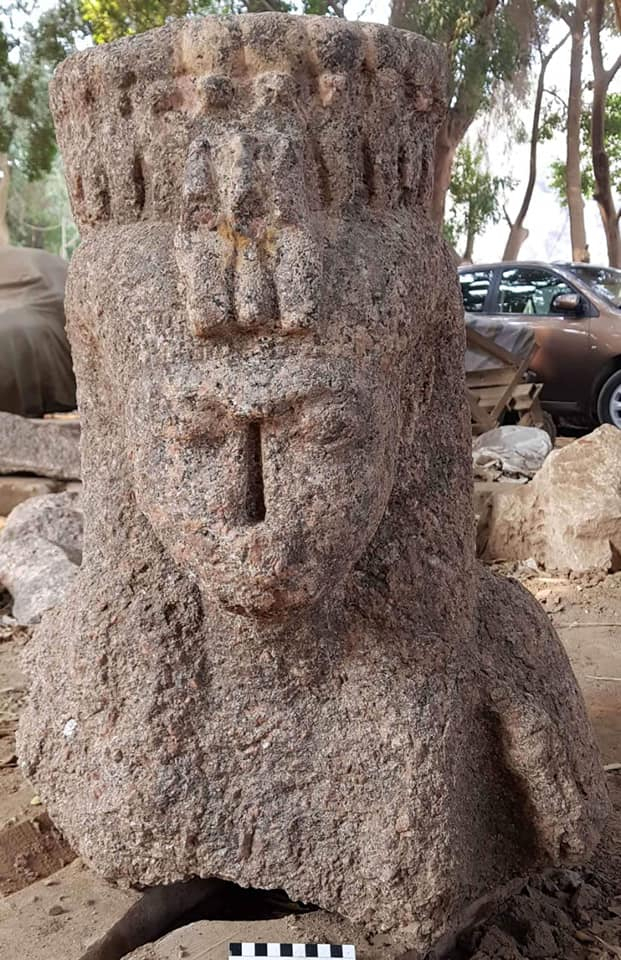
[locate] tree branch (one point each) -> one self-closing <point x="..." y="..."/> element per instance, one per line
<point x="557" y="96"/>
<point x="611" y="73"/>
<point x="546" y="60"/>
<point x="558" y="11"/>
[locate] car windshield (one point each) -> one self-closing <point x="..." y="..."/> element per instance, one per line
<point x="604" y="281"/>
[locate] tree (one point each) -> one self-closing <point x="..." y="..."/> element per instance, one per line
<point x="106" y="20"/>
<point x="612" y="146"/>
<point x="602" y="78"/>
<point x="487" y="44"/>
<point x="39" y="214"/>
<point x="575" y="17"/>
<point x="517" y="231"/>
<point x="27" y="58"/>
<point x="475" y="199"/>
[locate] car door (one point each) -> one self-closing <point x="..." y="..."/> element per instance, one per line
<point x="524" y="295"/>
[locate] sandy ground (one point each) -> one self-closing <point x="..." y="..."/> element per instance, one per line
<point x="566" y="915"/>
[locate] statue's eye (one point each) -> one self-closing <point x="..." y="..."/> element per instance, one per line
<point x="329" y="428"/>
<point x="196" y="423"/>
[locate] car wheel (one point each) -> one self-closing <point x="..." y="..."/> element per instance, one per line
<point x="609" y="401"/>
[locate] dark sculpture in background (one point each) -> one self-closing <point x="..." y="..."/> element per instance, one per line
<point x="281" y="664"/>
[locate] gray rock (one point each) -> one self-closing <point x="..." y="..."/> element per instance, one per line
<point x="40" y="553"/>
<point x="47" y="448"/>
<point x="569" y="516"/>
<point x="280" y="663"/>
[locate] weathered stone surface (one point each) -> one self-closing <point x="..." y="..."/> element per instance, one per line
<point x="569" y="516"/>
<point x="40" y="553"/>
<point x="47" y="448"/>
<point x="280" y="663"/>
<point x="14" y="490"/>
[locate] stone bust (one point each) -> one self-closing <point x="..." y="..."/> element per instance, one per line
<point x="283" y="664"/>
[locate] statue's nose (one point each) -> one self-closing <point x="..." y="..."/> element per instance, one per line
<point x="255" y="508"/>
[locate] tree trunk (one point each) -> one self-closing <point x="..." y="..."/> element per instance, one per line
<point x="601" y="165"/>
<point x="517" y="233"/>
<point x="466" y="101"/>
<point x="5" y="179"/>
<point x="444" y="156"/>
<point x="575" y="202"/>
<point x="517" y="236"/>
<point x="470" y="238"/>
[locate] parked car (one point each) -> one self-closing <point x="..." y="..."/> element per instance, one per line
<point x="574" y="310"/>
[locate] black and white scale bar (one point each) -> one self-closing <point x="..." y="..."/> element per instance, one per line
<point x="325" y="950"/>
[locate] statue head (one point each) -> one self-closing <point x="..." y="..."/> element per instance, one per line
<point x="247" y="284"/>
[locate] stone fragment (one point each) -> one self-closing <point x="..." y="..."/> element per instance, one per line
<point x="46" y="448"/>
<point x="569" y="516"/>
<point x="284" y="666"/>
<point x="40" y="553"/>
<point x="30" y="850"/>
<point x="15" y="489"/>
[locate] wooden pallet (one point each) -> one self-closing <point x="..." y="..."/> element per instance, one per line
<point x="496" y="391"/>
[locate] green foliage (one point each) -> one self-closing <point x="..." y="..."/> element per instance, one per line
<point x="484" y="43"/>
<point x="475" y="198"/>
<point x="107" y="20"/>
<point x="39" y="214"/>
<point x="612" y="145"/>
<point x="27" y="58"/>
<point x="552" y="122"/>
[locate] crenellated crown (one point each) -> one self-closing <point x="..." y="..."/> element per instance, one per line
<point x="330" y="114"/>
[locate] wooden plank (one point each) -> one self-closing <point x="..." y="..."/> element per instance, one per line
<point x="502" y="401"/>
<point x="481" y="417"/>
<point x="489" y="397"/>
<point x="495" y="377"/>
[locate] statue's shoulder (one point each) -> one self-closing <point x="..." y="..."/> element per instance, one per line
<point x="510" y="618"/>
<point x="535" y="706"/>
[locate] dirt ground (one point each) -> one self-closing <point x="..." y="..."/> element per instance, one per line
<point x="564" y="915"/>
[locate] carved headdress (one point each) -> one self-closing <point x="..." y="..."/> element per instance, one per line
<point x="355" y="107"/>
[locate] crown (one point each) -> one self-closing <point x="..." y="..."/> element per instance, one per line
<point x="354" y="106"/>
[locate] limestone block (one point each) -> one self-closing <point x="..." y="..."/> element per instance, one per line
<point x="47" y="448"/>
<point x="60" y="918"/>
<point x="569" y="516"/>
<point x="15" y="489"/>
<point x="279" y="663"/>
<point x="199" y="940"/>
<point x="40" y="553"/>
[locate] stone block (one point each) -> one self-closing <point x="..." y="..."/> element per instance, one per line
<point x="46" y="448"/>
<point x="569" y="517"/>
<point x="40" y="553"/>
